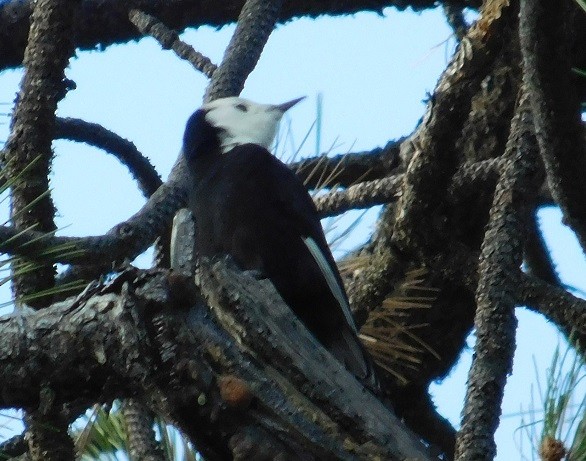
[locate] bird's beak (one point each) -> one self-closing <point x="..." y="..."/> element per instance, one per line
<point x="287" y="105"/>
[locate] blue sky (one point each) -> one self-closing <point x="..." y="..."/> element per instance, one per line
<point x="373" y="72"/>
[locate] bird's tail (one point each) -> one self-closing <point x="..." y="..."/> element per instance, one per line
<point x="346" y="347"/>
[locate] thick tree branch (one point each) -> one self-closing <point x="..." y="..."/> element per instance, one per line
<point x="102" y="23"/>
<point x="545" y="35"/>
<point x="137" y="337"/>
<point x="432" y="161"/>
<point x="28" y="160"/>
<point x="28" y="150"/>
<point x="500" y="260"/>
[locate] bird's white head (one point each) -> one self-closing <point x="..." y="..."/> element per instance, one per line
<point x="241" y="121"/>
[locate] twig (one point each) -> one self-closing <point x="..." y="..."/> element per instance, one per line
<point x="501" y="257"/>
<point x="169" y="39"/>
<point x="544" y="31"/>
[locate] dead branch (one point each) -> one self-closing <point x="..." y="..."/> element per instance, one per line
<point x="137" y="337"/>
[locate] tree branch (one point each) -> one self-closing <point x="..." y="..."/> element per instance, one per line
<point x="93" y="134"/>
<point x="28" y="150"/>
<point x="102" y="23"/>
<point x="138" y="337"/>
<point x="500" y="260"/>
<point x="169" y="39"/>
<point x="545" y="37"/>
<point x="139" y="428"/>
<point x="537" y="256"/>
<point x="432" y="162"/>
<point x="28" y="160"/>
<point x="565" y="310"/>
<point x="255" y="23"/>
<point x="362" y="195"/>
<point x="348" y="169"/>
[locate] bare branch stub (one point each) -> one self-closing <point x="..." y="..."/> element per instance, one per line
<point x="545" y="33"/>
<point x="499" y="272"/>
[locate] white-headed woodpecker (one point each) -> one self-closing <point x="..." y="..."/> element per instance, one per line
<point x="251" y="206"/>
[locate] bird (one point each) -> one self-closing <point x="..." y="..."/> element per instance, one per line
<point x="248" y="204"/>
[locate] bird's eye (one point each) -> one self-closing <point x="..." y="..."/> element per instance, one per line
<point x="241" y="107"/>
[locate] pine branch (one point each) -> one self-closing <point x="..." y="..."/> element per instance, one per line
<point x="146" y="336"/>
<point x="545" y="37"/>
<point x="125" y="151"/>
<point x="169" y="39"/>
<point x="102" y="23"/>
<point x="500" y="261"/>
<point x="256" y="22"/>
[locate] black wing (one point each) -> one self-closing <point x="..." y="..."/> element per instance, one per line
<point x="253" y="207"/>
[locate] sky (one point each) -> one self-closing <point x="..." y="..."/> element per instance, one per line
<point x="373" y="73"/>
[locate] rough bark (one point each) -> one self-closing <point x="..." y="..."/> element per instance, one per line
<point x="139" y="337"/>
<point x="103" y="23"/>
<point x="499" y="275"/>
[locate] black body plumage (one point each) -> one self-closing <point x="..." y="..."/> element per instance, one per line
<point x="248" y="204"/>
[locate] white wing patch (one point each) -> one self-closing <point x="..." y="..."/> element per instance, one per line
<point x="331" y="279"/>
